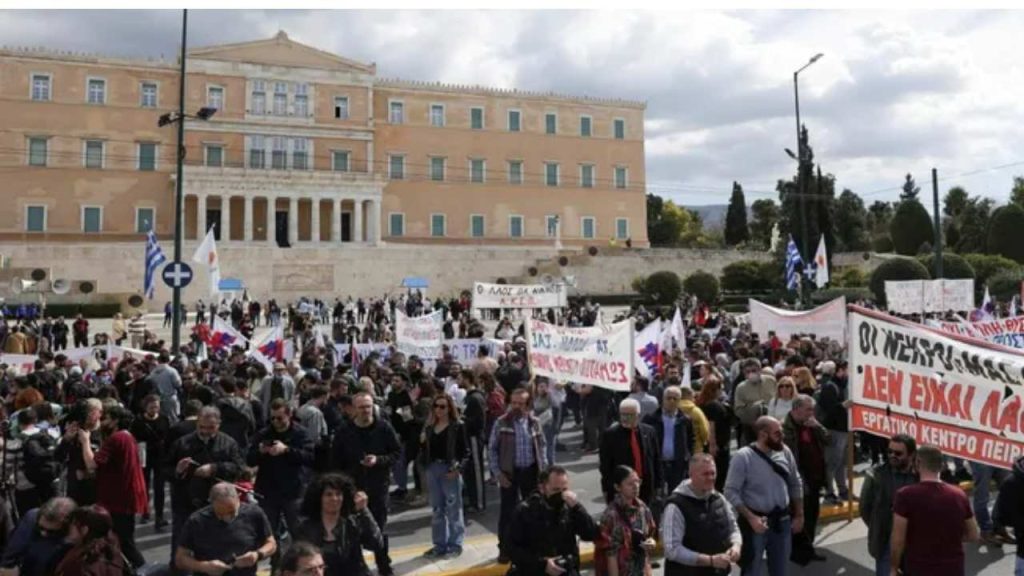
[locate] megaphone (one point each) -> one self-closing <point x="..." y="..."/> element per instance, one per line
<point x="61" y="286"/>
<point x="19" y="285"/>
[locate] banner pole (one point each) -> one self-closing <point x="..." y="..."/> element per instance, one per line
<point x="849" y="473"/>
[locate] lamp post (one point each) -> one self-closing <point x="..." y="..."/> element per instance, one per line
<point x="205" y="113"/>
<point x="801" y="149"/>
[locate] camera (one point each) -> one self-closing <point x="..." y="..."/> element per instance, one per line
<point x="568" y="563"/>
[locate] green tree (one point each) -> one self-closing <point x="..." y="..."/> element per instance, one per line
<point x="1017" y="192"/>
<point x="662" y="287"/>
<point x="910" y="189"/>
<point x="879" y="216"/>
<point x="703" y="285"/>
<point x="972" y="226"/>
<point x="987" y="265"/>
<point x="765" y="214"/>
<point x="954" y="202"/>
<point x="670" y="225"/>
<point x="819" y="196"/>
<point x="910" y="228"/>
<point x="1004" y="233"/>
<point x="736" y="231"/>
<point x="851" y="222"/>
<point x="895" y="269"/>
<point x="953" y="266"/>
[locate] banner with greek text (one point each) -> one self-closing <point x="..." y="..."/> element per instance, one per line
<point x="1005" y="331"/>
<point x="420" y="335"/>
<point x="827" y="320"/>
<point x="518" y="295"/>
<point x="961" y="394"/>
<point x="926" y="296"/>
<point x="599" y="355"/>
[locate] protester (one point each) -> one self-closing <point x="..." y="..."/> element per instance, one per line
<point x="699" y="529"/>
<point x="878" y="492"/>
<point x="443" y="443"/>
<point x="226" y="535"/>
<point x="631" y="443"/>
<point x="627" y="530"/>
<point x="931" y="521"/>
<point x="544" y="535"/>
<point x="475" y="422"/>
<point x="304" y="559"/>
<point x="150" y="431"/>
<point x="675" y="434"/>
<point x="38" y="543"/>
<point x="720" y="424"/>
<point x="688" y="406"/>
<point x="782" y="402"/>
<point x="751" y="396"/>
<point x="94" y="547"/>
<point x="339" y="524"/>
<point x="834" y="406"/>
<point x="807" y="440"/>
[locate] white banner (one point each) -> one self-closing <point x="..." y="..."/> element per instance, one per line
<point x="600" y="355"/>
<point x="1006" y="331"/>
<point x="827" y="320"/>
<point x="420" y="336"/>
<point x="958" y="393"/>
<point x="518" y="295"/>
<point x="926" y="296"/>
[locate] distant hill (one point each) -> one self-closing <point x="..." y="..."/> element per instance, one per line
<point x="713" y="215"/>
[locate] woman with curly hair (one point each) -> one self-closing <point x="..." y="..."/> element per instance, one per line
<point x="337" y="522"/>
<point x="626" y="542"/>
<point x="94" y="551"/>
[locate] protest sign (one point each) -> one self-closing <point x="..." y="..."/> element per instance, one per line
<point x="1005" y="331"/>
<point x="420" y="336"/>
<point x="961" y="394"/>
<point x="518" y="295"/>
<point x="827" y="320"/>
<point x="600" y="355"/>
<point x="925" y="296"/>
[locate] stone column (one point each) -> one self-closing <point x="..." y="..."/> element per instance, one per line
<point x="272" y="220"/>
<point x="375" y="223"/>
<point x="248" y="223"/>
<point x="225" y="218"/>
<point x="336" y="221"/>
<point x="200" y="217"/>
<point x="357" y="221"/>
<point x="314" y="225"/>
<point x="293" y="220"/>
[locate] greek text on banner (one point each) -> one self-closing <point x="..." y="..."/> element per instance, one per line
<point x="966" y="395"/>
<point x="518" y="295"/>
<point x="420" y="336"/>
<point x="600" y="355"/>
<point x="827" y="320"/>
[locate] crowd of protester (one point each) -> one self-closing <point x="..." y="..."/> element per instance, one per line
<point x="725" y="455"/>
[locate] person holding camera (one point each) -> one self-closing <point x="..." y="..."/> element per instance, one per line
<point x="543" y="539"/>
<point x="765" y="488"/>
<point x="626" y="540"/>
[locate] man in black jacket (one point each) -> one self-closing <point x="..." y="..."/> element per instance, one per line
<point x="1009" y="510"/>
<point x="474" y="418"/>
<point x="283" y="452"/>
<point x="546" y="526"/>
<point x="195" y="463"/>
<point x="833" y="405"/>
<point x="631" y="443"/>
<point x="675" y="432"/>
<point x="366" y="450"/>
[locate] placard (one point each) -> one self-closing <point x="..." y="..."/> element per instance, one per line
<point x="420" y="336"/>
<point x="518" y="295"/>
<point x="928" y="296"/>
<point x="599" y="355"/>
<point x="827" y="320"/>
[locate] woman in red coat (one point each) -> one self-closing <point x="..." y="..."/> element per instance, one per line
<point x="94" y="551"/>
<point x="120" y="485"/>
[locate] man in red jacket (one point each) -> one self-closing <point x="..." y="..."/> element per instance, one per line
<point x="120" y="485"/>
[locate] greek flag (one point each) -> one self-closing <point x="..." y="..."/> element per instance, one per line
<point x="154" y="258"/>
<point x="792" y="261"/>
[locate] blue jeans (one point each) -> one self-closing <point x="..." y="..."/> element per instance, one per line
<point x="882" y="562"/>
<point x="447" y="526"/>
<point x="551" y="433"/>
<point x="778" y="544"/>
<point x="983" y="474"/>
<point x="400" y="469"/>
<point x="1018" y="567"/>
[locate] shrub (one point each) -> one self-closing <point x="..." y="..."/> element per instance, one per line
<point x="910" y="228"/>
<point x="830" y="294"/>
<point x="882" y="244"/>
<point x="953" y="266"/>
<point x="1006" y="284"/>
<point x="851" y="277"/>
<point x="638" y="284"/>
<point x="749" y="275"/>
<point x="703" y="285"/>
<point x="895" y="269"/>
<point x="986" y="265"/>
<point x="1004" y="232"/>
<point x="663" y="287"/>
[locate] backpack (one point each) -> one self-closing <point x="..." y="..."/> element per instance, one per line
<point x="39" y="464"/>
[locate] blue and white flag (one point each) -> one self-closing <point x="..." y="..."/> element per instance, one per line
<point x="793" y="260"/>
<point x="154" y="258"/>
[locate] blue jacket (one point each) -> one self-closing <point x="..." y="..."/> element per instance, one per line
<point x="32" y="553"/>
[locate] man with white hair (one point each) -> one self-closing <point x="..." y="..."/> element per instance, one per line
<point x="631" y="443"/>
<point x="832" y="407"/>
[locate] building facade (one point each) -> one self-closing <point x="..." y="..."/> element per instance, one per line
<point x="307" y="147"/>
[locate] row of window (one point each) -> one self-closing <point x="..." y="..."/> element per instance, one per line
<point x="288" y="99"/>
<point x="91" y="219"/>
<point x="93" y="153"/>
<point x="513" y="123"/>
<point x="514" y="171"/>
<point x="516" y="226"/>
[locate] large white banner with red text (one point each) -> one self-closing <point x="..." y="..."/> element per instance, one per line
<point x="599" y="355"/>
<point x="827" y="320"/>
<point x="518" y="295"/>
<point x="1005" y="331"/>
<point x="420" y="336"/>
<point x="958" y="393"/>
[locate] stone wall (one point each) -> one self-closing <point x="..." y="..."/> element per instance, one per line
<point x="117" y="268"/>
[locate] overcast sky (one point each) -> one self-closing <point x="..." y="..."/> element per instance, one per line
<point x="896" y="92"/>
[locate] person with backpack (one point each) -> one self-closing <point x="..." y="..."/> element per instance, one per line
<point x="37" y="475"/>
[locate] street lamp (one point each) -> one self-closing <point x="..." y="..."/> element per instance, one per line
<point x="204" y="113"/>
<point x="801" y="158"/>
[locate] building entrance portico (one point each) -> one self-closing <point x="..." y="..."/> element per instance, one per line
<point x="270" y="207"/>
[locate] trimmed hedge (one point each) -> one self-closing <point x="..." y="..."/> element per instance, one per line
<point x="662" y="287"/>
<point x="987" y="265"/>
<point x="953" y="266"/>
<point x="703" y="285"/>
<point x="1004" y="232"/>
<point x="829" y="294"/>
<point x="910" y="227"/>
<point x="1006" y="284"/>
<point x="750" y="275"/>
<point x="895" y="269"/>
